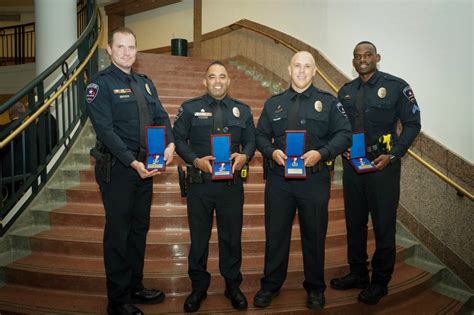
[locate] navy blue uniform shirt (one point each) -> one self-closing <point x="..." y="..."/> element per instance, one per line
<point x="113" y="110"/>
<point x="327" y="128"/>
<point x="386" y="99"/>
<point x="195" y="121"/>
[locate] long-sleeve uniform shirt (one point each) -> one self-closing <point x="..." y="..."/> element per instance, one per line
<point x="376" y="106"/>
<point x="113" y="109"/>
<point x="195" y="122"/>
<point x="320" y="114"/>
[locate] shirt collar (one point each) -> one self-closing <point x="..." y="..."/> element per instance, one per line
<point x="373" y="79"/>
<point x="306" y="93"/>
<point x="209" y="100"/>
<point x="125" y="77"/>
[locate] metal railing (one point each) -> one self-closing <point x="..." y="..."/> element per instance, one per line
<point x="32" y="146"/>
<point x="461" y="191"/>
<point x="17" y="43"/>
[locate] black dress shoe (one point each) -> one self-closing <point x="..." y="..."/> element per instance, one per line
<point x="237" y="298"/>
<point x="350" y="281"/>
<point x="372" y="294"/>
<point x="315" y="300"/>
<point x="123" y="309"/>
<point x="147" y="296"/>
<point x="264" y="298"/>
<point x="193" y="301"/>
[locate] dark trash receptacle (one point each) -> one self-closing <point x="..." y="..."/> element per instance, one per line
<point x="179" y="47"/>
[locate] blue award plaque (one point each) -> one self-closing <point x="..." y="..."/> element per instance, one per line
<point x="155" y="148"/>
<point x="221" y="165"/>
<point x="295" y="143"/>
<point x="359" y="159"/>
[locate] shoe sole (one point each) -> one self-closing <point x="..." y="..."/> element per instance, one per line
<point x="266" y="305"/>
<point x="154" y="301"/>
<point x="188" y="310"/>
<point x="370" y="302"/>
<point x="240" y="308"/>
<point x="358" y="286"/>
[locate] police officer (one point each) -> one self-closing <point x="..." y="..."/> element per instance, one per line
<point x="374" y="103"/>
<point x="197" y="119"/>
<point x="120" y="104"/>
<point x="301" y="107"/>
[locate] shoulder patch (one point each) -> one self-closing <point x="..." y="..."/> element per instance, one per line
<point x="408" y="92"/>
<point x="341" y="108"/>
<point x="91" y="92"/>
<point x="180" y="112"/>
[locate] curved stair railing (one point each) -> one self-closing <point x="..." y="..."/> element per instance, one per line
<point x="33" y="146"/>
<point x="461" y="191"/>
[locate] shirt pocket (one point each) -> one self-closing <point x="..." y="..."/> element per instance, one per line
<point x="317" y="123"/>
<point x="279" y="123"/>
<point x="125" y="108"/>
<point x="381" y="112"/>
<point x="235" y="129"/>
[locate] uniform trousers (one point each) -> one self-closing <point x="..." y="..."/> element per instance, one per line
<point x="282" y="197"/>
<point x="376" y="193"/>
<point x="227" y="199"/>
<point x="127" y="201"/>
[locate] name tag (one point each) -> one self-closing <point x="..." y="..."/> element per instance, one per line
<point x="124" y="96"/>
<point x="203" y="114"/>
<point x="122" y="91"/>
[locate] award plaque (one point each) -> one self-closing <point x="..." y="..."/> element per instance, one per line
<point x="221" y="165"/>
<point x="359" y="159"/>
<point x="295" y="143"/>
<point x="155" y="148"/>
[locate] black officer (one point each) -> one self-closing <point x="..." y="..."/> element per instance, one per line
<point x="374" y="103"/>
<point x="197" y="119"/>
<point x="120" y="104"/>
<point x="301" y="107"/>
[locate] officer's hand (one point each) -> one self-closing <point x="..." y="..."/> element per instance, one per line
<point x="381" y="162"/>
<point x="169" y="152"/>
<point x="204" y="163"/>
<point x="141" y="170"/>
<point x="310" y="158"/>
<point x="279" y="157"/>
<point x="239" y="161"/>
<point x="347" y="154"/>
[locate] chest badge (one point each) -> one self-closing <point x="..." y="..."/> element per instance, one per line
<point x="147" y="87"/>
<point x="236" y="112"/>
<point x="318" y="106"/>
<point x="382" y="92"/>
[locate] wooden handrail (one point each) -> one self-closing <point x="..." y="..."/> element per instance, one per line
<point x="32" y="118"/>
<point x="460" y="189"/>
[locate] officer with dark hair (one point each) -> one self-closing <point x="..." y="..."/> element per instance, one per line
<point x="198" y="118"/>
<point x="301" y="107"/>
<point x="120" y="103"/>
<point x="375" y="102"/>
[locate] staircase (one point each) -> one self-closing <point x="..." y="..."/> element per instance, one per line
<point x="54" y="260"/>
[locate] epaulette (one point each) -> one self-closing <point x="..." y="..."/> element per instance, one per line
<point x="348" y="82"/>
<point x="239" y="102"/>
<point x="324" y="92"/>
<point x="193" y="99"/>
<point x="390" y="77"/>
<point x="278" y="94"/>
<point x="142" y="75"/>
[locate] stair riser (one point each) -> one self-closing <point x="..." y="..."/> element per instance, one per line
<point x="170" y="250"/>
<point x="160" y="222"/>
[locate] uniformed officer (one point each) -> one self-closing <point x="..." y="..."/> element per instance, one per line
<point x="301" y="107"/>
<point x="120" y="104"/>
<point x="374" y="103"/>
<point x="197" y="119"/>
